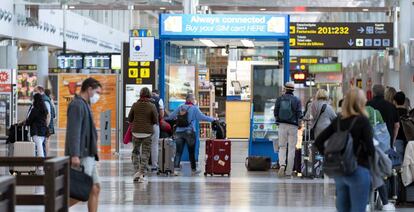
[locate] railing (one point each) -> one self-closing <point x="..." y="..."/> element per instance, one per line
<point x="7" y="193"/>
<point x="55" y="181"/>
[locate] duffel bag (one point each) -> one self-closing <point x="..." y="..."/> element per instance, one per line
<point x="258" y="163"/>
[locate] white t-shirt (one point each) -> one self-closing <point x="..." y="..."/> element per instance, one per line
<point x="161" y="103"/>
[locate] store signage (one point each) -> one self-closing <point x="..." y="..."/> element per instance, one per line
<point x="325" y="68"/>
<point x="204" y="25"/>
<point x="5" y="80"/>
<point x="141" y="48"/>
<point x="27" y="67"/>
<point x="341" y="35"/>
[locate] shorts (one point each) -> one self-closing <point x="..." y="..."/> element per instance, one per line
<point x="89" y="164"/>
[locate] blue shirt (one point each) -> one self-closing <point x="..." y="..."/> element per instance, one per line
<point x="194" y="115"/>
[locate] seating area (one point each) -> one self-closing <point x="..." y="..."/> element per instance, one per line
<point x="55" y="182"/>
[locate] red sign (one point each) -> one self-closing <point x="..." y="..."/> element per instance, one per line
<point x="5" y="80"/>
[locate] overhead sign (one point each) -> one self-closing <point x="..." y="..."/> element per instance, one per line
<point x="302" y="62"/>
<point x="5" y="80"/>
<point x="204" y="25"/>
<point x="341" y="35"/>
<point x="325" y="68"/>
<point x="141" y="48"/>
<point x="27" y="67"/>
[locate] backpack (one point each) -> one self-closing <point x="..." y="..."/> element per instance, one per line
<point x="407" y="123"/>
<point x="340" y="159"/>
<point x="285" y="110"/>
<point x="182" y="117"/>
<point x="220" y="129"/>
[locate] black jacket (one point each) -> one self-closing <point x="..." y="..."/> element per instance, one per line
<point x="361" y="134"/>
<point x="37" y="122"/>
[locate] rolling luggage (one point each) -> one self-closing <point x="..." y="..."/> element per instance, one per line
<point x="312" y="160"/>
<point x="218" y="157"/>
<point x="22" y="147"/>
<point x="166" y="155"/>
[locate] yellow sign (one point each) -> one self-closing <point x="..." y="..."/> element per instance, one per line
<point x="133" y="63"/>
<point x="292" y="42"/>
<point x="145" y="72"/>
<point x="133" y="73"/>
<point x="135" y="33"/>
<point x="145" y="63"/>
<point x="139" y="81"/>
<point x="292" y="29"/>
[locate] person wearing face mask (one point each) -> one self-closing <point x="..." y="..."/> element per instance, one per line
<point x="81" y="133"/>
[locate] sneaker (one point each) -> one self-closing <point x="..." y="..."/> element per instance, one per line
<point x="142" y="179"/>
<point x="177" y="173"/>
<point x="137" y="176"/>
<point x="388" y="207"/>
<point x="195" y="172"/>
<point x="281" y="172"/>
<point x="368" y="208"/>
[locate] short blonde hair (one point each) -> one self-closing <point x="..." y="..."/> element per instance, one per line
<point x="322" y="94"/>
<point x="354" y="103"/>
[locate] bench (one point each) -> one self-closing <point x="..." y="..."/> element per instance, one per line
<point x="55" y="181"/>
<point x="7" y="193"/>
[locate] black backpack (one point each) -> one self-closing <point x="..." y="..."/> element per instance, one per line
<point x="182" y="117"/>
<point x="220" y="129"/>
<point x="340" y="159"/>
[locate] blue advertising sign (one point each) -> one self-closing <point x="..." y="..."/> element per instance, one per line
<point x="211" y="25"/>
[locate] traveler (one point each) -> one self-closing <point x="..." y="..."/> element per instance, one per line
<point x="388" y="112"/>
<point x="159" y="105"/>
<point x="288" y="111"/>
<point x="322" y="112"/>
<point x="49" y="101"/>
<point x="389" y="94"/>
<point x="37" y="121"/>
<point x="143" y="116"/>
<point x="81" y="133"/>
<point x="401" y="140"/>
<point x="375" y="118"/>
<point x="352" y="190"/>
<point x="187" y="116"/>
<point x="49" y="106"/>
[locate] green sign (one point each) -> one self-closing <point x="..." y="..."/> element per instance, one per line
<point x="325" y="68"/>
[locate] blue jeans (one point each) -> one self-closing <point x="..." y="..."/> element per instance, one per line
<point x="182" y="138"/>
<point x="353" y="191"/>
<point x="400" y="148"/>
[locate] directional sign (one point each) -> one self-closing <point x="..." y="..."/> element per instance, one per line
<point x="341" y="35"/>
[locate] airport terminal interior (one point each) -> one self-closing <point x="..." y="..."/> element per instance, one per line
<point x="206" y="105"/>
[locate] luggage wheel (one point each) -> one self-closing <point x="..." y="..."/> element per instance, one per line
<point x="205" y="174"/>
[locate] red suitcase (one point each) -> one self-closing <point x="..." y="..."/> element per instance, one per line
<point x="218" y="157"/>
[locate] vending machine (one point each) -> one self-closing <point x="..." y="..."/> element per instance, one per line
<point x="8" y="100"/>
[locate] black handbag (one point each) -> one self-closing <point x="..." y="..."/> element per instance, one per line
<point x="258" y="163"/>
<point x="312" y="131"/>
<point x="80" y="184"/>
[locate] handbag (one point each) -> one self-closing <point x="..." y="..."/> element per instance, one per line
<point x="258" y="163"/>
<point x="381" y="135"/>
<point x="80" y="184"/>
<point x="312" y="131"/>
<point x="128" y="134"/>
<point x="407" y="123"/>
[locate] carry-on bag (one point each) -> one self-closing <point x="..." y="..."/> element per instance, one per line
<point x="22" y="147"/>
<point x="258" y="163"/>
<point x="218" y="157"/>
<point x="219" y="128"/>
<point x="166" y="155"/>
<point x="80" y="184"/>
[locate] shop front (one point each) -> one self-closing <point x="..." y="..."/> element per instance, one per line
<point x="234" y="64"/>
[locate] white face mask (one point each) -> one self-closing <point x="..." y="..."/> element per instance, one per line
<point x="94" y="99"/>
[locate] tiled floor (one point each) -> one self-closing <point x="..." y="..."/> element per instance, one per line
<point x="243" y="191"/>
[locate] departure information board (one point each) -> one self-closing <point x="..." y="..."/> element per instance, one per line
<point x="341" y="35"/>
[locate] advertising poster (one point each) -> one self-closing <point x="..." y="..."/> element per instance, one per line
<point x="181" y="81"/>
<point x="26" y="82"/>
<point x="5" y="102"/>
<point x="70" y="84"/>
<point x="132" y="95"/>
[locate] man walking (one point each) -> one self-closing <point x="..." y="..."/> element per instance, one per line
<point x="288" y="111"/>
<point x="159" y="105"/>
<point x="81" y="136"/>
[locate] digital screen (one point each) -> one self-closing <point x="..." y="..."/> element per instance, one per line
<point x="97" y="62"/>
<point x="116" y="62"/>
<point x="70" y="61"/>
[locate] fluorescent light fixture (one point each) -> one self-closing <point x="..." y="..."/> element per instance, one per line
<point x="208" y="43"/>
<point x="262" y="9"/>
<point x="247" y="43"/>
<point x="162" y="8"/>
<point x="365" y="9"/>
<point x="72" y="7"/>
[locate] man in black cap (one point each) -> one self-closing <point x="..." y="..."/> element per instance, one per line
<point x="288" y="111"/>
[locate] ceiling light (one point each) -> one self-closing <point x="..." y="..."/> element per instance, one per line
<point x="162" y="8"/>
<point x="208" y="43"/>
<point x="365" y="9"/>
<point x="262" y="9"/>
<point x="72" y="7"/>
<point x="247" y="43"/>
